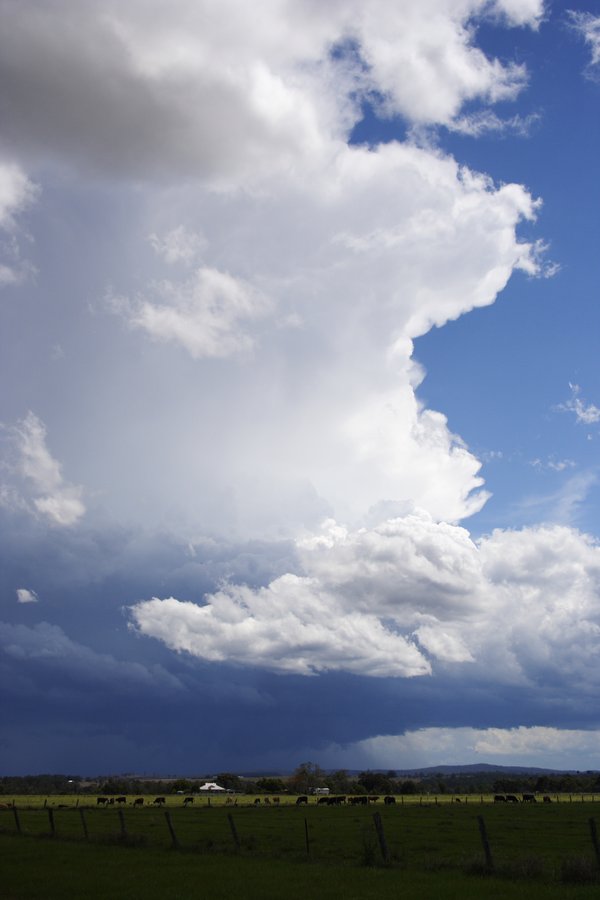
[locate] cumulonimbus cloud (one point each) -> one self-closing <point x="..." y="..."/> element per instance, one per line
<point x="217" y="89"/>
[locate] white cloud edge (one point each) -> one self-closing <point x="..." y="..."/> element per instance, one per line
<point x="538" y="745"/>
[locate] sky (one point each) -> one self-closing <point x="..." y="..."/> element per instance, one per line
<point x="299" y="393"/>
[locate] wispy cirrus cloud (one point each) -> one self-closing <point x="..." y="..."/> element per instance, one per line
<point x="585" y="413"/>
<point x="588" y="26"/>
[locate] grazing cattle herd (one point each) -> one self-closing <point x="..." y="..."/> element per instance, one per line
<point x="303" y="799"/>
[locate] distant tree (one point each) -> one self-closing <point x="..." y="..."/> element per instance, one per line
<point x="408" y="787"/>
<point x="307" y="776"/>
<point x="339" y="782"/>
<point x="182" y="784"/>
<point x="230" y="782"/>
<point x="375" y="783"/>
<point x="271" y="785"/>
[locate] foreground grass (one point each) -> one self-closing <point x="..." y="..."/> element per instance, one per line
<point x="44" y="869"/>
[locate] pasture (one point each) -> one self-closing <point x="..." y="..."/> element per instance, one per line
<point x="546" y="849"/>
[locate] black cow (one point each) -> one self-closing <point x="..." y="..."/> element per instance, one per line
<point x="276" y="800"/>
<point x="257" y="801"/>
<point x="301" y="800"/>
<point x="101" y="801"/>
<point x="547" y="799"/>
<point x="499" y="798"/>
<point x="121" y="800"/>
<point x="529" y="798"/>
<point x="373" y="799"/>
<point x="139" y="801"/>
<point x="389" y="800"/>
<point x="188" y="800"/>
<point x="510" y="798"/>
<point x="159" y="801"/>
<point x="323" y="801"/>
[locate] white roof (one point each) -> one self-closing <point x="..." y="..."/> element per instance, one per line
<point x="211" y="786"/>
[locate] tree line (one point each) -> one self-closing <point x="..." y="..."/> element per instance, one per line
<point x="309" y="776"/>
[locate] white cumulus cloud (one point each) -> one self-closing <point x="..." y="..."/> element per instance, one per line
<point x="49" y="494"/>
<point x="24" y="595"/>
<point x="518" y="607"/>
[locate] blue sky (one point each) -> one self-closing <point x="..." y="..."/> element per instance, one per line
<point x="300" y="401"/>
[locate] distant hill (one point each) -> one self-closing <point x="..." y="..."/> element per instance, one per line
<point x="474" y="769"/>
<point x="450" y="769"/>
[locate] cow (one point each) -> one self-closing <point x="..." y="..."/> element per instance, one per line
<point x="188" y="800"/>
<point x="457" y="800"/>
<point x="121" y="800"/>
<point x="529" y="798"/>
<point x="257" y="801"/>
<point x="139" y="801"/>
<point x="301" y="800"/>
<point x="359" y="801"/>
<point x="499" y="798"/>
<point x="159" y="801"/>
<point x="373" y="799"/>
<point x="547" y="799"/>
<point x="276" y="801"/>
<point x="266" y="801"/>
<point x="101" y="801"/>
<point x="389" y="800"/>
<point x="510" y="798"/>
<point x="323" y="801"/>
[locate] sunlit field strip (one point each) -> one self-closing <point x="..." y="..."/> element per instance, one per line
<point x="176" y="801"/>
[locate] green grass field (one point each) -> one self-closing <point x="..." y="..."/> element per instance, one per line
<point x="55" y="870"/>
<point x="535" y="847"/>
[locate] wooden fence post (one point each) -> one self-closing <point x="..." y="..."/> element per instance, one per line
<point x="17" y="822"/>
<point x="594" y="835"/>
<point x="381" y="835"/>
<point x="486" y="844"/>
<point x="306" y="837"/>
<point x="83" y="823"/>
<point x="51" y="820"/>
<point x="172" y="830"/>
<point x="122" y="821"/>
<point x="234" y="833"/>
